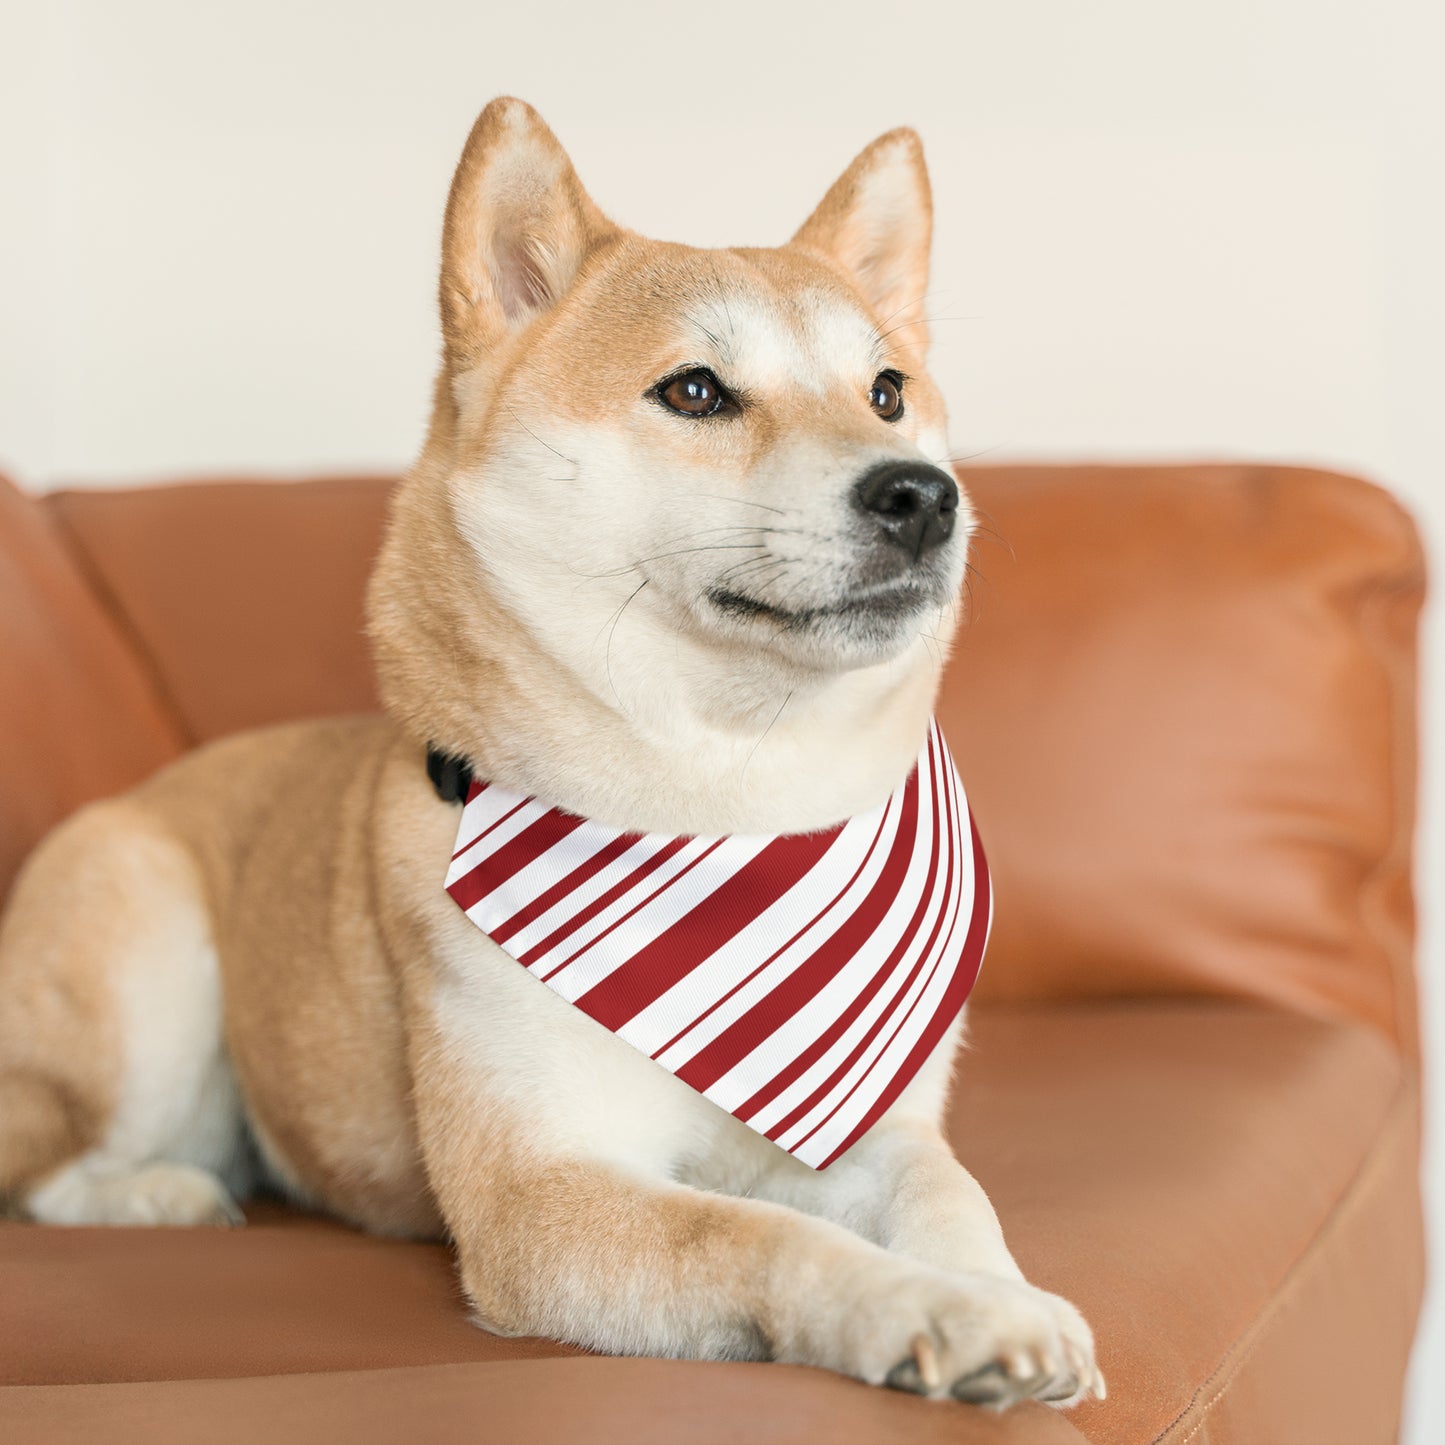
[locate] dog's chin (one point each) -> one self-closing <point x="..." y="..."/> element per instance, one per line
<point x="859" y="628"/>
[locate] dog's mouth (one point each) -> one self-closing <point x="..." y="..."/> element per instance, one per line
<point x="891" y="603"/>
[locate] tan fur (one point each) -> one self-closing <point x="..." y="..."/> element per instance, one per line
<point x="259" y="936"/>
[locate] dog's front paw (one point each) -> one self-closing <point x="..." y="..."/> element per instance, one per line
<point x="976" y="1337"/>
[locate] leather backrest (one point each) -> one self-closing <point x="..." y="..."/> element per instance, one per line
<point x="247" y="596"/>
<point x="79" y="716"/>
<point x="1183" y="705"/>
<point x="1184" y="710"/>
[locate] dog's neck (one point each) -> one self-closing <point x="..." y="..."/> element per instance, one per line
<point x="708" y="748"/>
<point x="701" y="748"/>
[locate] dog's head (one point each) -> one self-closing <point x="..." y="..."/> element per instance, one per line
<point x="736" y="454"/>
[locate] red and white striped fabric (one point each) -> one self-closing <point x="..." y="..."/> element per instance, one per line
<point x="797" y="980"/>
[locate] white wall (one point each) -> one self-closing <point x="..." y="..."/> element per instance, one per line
<point x="1164" y="229"/>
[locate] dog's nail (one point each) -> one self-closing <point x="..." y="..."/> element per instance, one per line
<point x="987" y="1386"/>
<point x="1079" y="1362"/>
<point x="1101" y="1391"/>
<point x="927" y="1358"/>
<point x="228" y="1215"/>
<point x="905" y="1376"/>
<point x="1065" y="1391"/>
<point x="1020" y="1364"/>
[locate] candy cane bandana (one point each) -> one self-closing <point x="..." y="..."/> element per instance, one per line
<point x="798" y="980"/>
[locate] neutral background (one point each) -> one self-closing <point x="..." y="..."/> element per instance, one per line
<point x="1164" y="229"/>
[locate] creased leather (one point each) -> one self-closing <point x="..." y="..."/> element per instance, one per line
<point x="79" y="717"/>
<point x="1185" y="708"/>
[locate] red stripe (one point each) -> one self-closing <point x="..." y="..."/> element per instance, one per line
<point x="497" y="824"/>
<point x="700" y="932"/>
<point x="562" y="887"/>
<point x="955" y="996"/>
<point x="637" y="908"/>
<point x="746" y="1032"/>
<point x="942" y="818"/>
<point x="571" y="925"/>
<point x="514" y="855"/>
<point x="928" y="958"/>
<point x="778" y="952"/>
<point x="820" y="1046"/>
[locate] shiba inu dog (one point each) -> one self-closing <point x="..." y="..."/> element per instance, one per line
<point x="677" y="558"/>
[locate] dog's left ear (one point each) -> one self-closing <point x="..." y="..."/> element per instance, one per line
<point x="877" y="223"/>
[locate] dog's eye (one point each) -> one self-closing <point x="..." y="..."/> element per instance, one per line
<point x="886" y="397"/>
<point x="694" y="393"/>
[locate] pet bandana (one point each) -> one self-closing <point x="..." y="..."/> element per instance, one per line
<point x="798" y="980"/>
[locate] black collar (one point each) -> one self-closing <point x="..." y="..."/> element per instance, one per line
<point x="450" y="775"/>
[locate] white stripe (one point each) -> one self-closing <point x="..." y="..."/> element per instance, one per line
<point x="481" y="849"/>
<point x="522" y="888"/>
<point x="890" y="1060"/>
<point x="693" y="994"/>
<point x="852" y="1109"/>
<point x="653" y="918"/>
<point x="481" y="813"/>
<point x="871" y="1072"/>
<point x="812" y="1021"/>
<point x="877" y="1067"/>
<point x="831" y="1001"/>
<point x="579" y="899"/>
<point x="580" y="938"/>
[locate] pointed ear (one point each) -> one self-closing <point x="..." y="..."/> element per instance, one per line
<point x="877" y="223"/>
<point x="518" y="227"/>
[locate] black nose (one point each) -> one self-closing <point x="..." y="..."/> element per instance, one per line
<point x="914" y="504"/>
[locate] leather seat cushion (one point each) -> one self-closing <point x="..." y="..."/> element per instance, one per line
<point x="1226" y="1191"/>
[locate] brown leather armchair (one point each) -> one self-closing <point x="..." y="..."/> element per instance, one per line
<point x="1185" y="711"/>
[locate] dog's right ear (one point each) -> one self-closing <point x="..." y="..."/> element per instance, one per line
<point x="518" y="227"/>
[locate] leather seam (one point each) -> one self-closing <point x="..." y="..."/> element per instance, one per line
<point x="124" y="624"/>
<point x="1242" y="1351"/>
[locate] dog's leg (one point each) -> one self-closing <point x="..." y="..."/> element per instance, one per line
<point x="116" y="1104"/>
<point x="901" y="1188"/>
<point x="583" y="1252"/>
<point x="607" y="1253"/>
